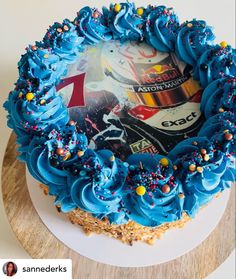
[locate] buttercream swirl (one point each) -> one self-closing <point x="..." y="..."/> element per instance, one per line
<point x="37" y="115"/>
<point x="101" y="194"/>
<point x="64" y="40"/>
<point x="43" y="65"/>
<point x="216" y="62"/>
<point x="160" y="28"/>
<point x="203" y="170"/>
<point x="221" y="130"/>
<point x="23" y="137"/>
<point x="161" y="202"/>
<point x="193" y="39"/>
<point x="91" y="24"/>
<point x="38" y="163"/>
<point x="50" y="167"/>
<point x="219" y="96"/>
<point x="125" y="24"/>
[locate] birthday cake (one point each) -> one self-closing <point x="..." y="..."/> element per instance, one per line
<point x="127" y="118"/>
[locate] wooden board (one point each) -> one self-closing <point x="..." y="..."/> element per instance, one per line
<point x="39" y="242"/>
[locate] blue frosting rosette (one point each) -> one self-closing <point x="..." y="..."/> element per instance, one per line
<point x="64" y="40"/>
<point x="124" y="22"/>
<point x="149" y="189"/>
<point x="216" y="62"/>
<point x="194" y="37"/>
<point x="42" y="65"/>
<point x="219" y="96"/>
<point x="102" y="194"/>
<point x="203" y="170"/>
<point x="91" y="25"/>
<point x="162" y="198"/>
<point x="221" y="130"/>
<point x="161" y="28"/>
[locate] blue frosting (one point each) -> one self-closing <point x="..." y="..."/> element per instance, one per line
<point x="91" y="24"/>
<point x="217" y="128"/>
<point x="193" y="39"/>
<point x="52" y="169"/>
<point x="155" y="206"/>
<point x="125" y="24"/>
<point x="42" y="65"/>
<point x="101" y="193"/>
<point x="211" y="174"/>
<point x="216" y="62"/>
<point x="64" y="40"/>
<point x="160" y="28"/>
<point x="219" y="96"/>
<point x="32" y="117"/>
<point x="56" y="152"/>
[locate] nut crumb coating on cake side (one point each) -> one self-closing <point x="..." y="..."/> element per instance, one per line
<point x="127" y="233"/>
<point x="144" y="196"/>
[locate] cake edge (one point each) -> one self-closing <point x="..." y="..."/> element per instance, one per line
<point x="127" y="233"/>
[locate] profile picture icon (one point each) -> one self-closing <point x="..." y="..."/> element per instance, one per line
<point x="9" y="269"/>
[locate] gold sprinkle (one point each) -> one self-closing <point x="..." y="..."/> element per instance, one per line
<point x="80" y="153"/>
<point x="190" y="25"/>
<point x="221" y="110"/>
<point x="140" y="190"/>
<point x="164" y="162"/>
<point x="59" y="30"/>
<point x="112" y="158"/>
<point x="223" y="44"/>
<point x="65" y="27"/>
<point x="199" y="169"/>
<point x="67" y="156"/>
<point x="181" y="195"/>
<point x="117" y="8"/>
<point x="42" y="102"/>
<point x="206" y="157"/>
<point x="140" y="11"/>
<point x="29" y="96"/>
<point x="192" y="167"/>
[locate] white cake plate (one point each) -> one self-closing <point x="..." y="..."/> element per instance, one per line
<point x="175" y="242"/>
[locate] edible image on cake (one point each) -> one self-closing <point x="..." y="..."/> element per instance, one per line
<point x="131" y="98"/>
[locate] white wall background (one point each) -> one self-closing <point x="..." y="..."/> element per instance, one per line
<point x="24" y="21"/>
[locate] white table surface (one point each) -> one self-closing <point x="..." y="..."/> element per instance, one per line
<point x="23" y="22"/>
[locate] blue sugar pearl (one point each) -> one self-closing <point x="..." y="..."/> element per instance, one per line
<point x="82" y="173"/>
<point x="132" y="168"/>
